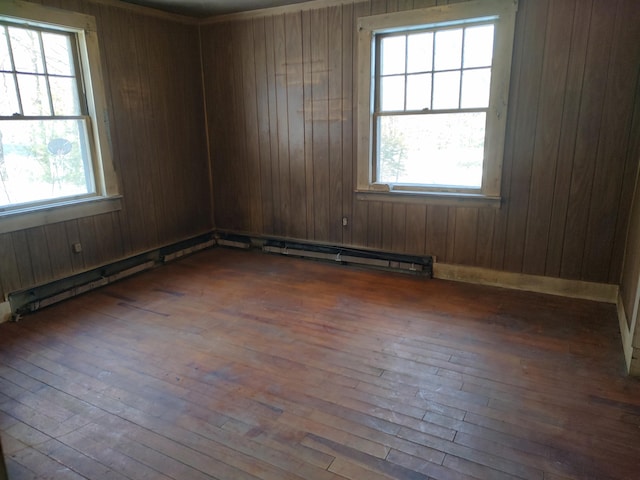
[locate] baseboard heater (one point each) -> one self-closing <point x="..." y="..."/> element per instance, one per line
<point x="35" y="298"/>
<point x="343" y="255"/>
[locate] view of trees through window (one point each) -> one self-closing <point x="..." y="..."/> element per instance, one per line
<point x="44" y="152"/>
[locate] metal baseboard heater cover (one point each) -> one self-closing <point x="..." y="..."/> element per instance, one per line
<point x="41" y="296"/>
<point x="343" y="255"/>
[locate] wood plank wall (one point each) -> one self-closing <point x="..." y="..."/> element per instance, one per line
<point x="280" y="100"/>
<point x="154" y="88"/>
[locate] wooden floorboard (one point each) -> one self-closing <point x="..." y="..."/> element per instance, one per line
<point x="240" y="365"/>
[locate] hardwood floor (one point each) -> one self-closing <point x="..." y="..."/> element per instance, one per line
<point x="234" y="365"/>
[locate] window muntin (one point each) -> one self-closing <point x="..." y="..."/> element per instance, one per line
<point x="44" y="136"/>
<point x="420" y="71"/>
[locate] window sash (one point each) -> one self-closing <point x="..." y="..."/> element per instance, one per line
<point x="407" y="74"/>
<point x="73" y="93"/>
<point x="502" y="14"/>
<point x="75" y="76"/>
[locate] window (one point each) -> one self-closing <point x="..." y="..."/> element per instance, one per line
<point x="432" y="105"/>
<point x="55" y="162"/>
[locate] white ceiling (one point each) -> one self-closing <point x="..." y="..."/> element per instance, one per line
<point x="207" y="8"/>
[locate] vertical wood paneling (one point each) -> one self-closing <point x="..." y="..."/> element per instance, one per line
<point x="374" y="224"/>
<point x="10" y="279"/>
<point x="334" y="63"/>
<point x="464" y="252"/>
<point x="502" y="216"/>
<point x="148" y="149"/>
<point x="308" y="122"/>
<point x="347" y="120"/>
<point x="450" y="236"/>
<point x="106" y="229"/>
<point x="155" y="109"/>
<point x="568" y="131"/>
<point x="250" y="127"/>
<point x="58" y="242"/>
<point x="40" y="254"/>
<point x="545" y="149"/>
<point x="415" y="235"/>
<point x="219" y="113"/>
<point x="436" y="232"/>
<point x="134" y="97"/>
<point x="524" y="130"/>
<point x="274" y="156"/>
<point x="360" y="213"/>
<point x="485" y="232"/>
<point x="23" y="257"/>
<point x="611" y="188"/>
<point x="589" y="128"/>
<point x="91" y="254"/>
<point x="398" y="227"/>
<point x="295" y="105"/>
<point x="242" y="180"/>
<point x="280" y="63"/>
<point x="320" y="122"/>
<point x="264" y="140"/>
<point x="387" y="221"/>
<point x="73" y="236"/>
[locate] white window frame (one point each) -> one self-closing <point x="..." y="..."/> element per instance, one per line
<point x="504" y="12"/>
<point x="107" y="197"/>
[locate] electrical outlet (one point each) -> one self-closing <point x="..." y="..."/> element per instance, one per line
<point x="77" y="247"/>
<point x="345" y="221"/>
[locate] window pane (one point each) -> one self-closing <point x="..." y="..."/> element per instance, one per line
<point x="444" y="150"/>
<point x="448" y="51"/>
<point x="419" y="91"/>
<point x="392" y="55"/>
<point x="446" y="90"/>
<point x="478" y="46"/>
<point x="475" y="88"/>
<point x="64" y="95"/>
<point x="5" y="60"/>
<point x="27" y="55"/>
<point x="8" y="97"/>
<point x="33" y="92"/>
<point x="44" y="159"/>
<point x="58" y="54"/>
<point x="392" y="93"/>
<point x="420" y="55"/>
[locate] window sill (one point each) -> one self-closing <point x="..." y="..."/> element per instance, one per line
<point x="60" y="212"/>
<point x="431" y="198"/>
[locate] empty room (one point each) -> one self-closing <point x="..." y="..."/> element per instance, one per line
<point x="319" y="240"/>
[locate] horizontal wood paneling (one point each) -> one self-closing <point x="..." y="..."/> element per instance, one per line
<point x="151" y="67"/>
<point x="569" y="161"/>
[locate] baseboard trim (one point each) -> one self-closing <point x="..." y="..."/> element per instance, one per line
<point x="627" y="340"/>
<point x="600" y="292"/>
<point x="5" y="312"/>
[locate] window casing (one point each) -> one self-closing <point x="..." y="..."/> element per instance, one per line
<point x="55" y="159"/>
<point x="433" y="87"/>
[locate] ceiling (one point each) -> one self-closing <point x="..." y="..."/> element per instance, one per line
<point x="208" y="8"/>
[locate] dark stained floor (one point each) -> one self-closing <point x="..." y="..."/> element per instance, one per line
<point x="233" y="365"/>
